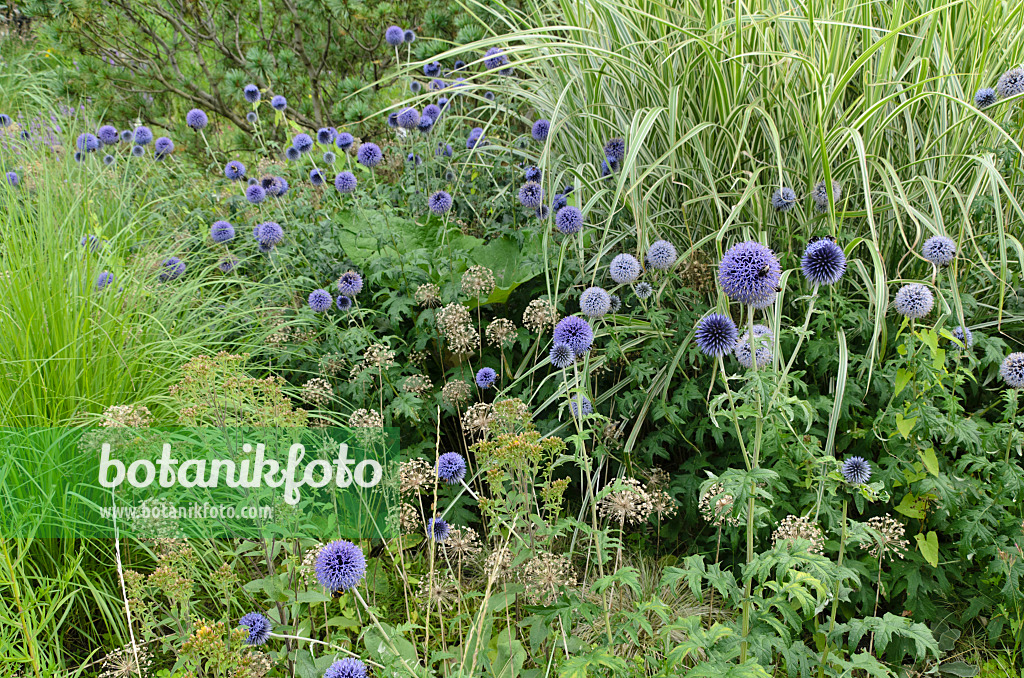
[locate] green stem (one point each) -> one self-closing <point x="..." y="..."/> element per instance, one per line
<point x="835" y="592"/>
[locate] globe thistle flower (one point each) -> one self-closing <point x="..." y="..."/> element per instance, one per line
<point x="594" y="302"/>
<point x="108" y="159"/>
<point x="607" y="169"/>
<point x="440" y="202"/>
<point x="320" y="300"/>
<point x="340" y="565"/>
<point x="716" y="334"/>
<point x="265" y="248"/>
<point x="415" y="86"/>
<point x="234" y="170"/>
<point x="259" y="628"/>
<point x="475" y="138"/>
<point x="939" y="250"/>
<point x="278" y="102"/>
<point x="369" y="155"/>
<point x="580" y="406"/>
<point x="820" y="195"/>
<point x="542" y="212"/>
<point x="1011" y="83"/>
<point x="914" y="301"/>
<point x="316" y="177"/>
<point x="325" y="135"/>
<point x="749" y="273"/>
<point x="495" y="58"/>
<point x="985" y="97"/>
<point x="561" y="356"/>
<point x="328" y="158"/>
<point x="784" y="199"/>
<point x="392" y="119"/>
<point x="408" y="36"/>
<point x="104" y="279"/>
<point x="171" y="268"/>
<point x="92" y="241"/>
<point x="823" y="262"/>
<point x="540" y="130"/>
<point x="87" y="142"/>
<point x="964" y="336"/>
<point x="349" y="667"/>
<point x="459" y="64"/>
<point x="278" y="187"/>
<point x="486" y="377"/>
<point x="446" y="151"/>
<point x="344" y="141"/>
<point x="615" y="150"/>
<point x="350" y="283"/>
<point x="661" y="255"/>
<point x="408" y="118"/>
<point x="143" y="135"/>
<point x="107" y="135"/>
<point x="442" y="102"/>
<point x="138" y="151"/>
<point x="343" y="303"/>
<point x="574" y="332"/>
<point x="643" y="290"/>
<point x="432" y="111"/>
<point x="451" y="467"/>
<point x="425" y="124"/>
<point x="624" y="269"/>
<point x="856" y="470"/>
<point x="227" y="264"/>
<point x="251" y="93"/>
<point x="394" y="36"/>
<point x="252" y="116"/>
<point x="432" y="70"/>
<point x="1012" y="370"/>
<point x="12" y="179"/>
<point x="292" y="153"/>
<point x="764" y="352"/>
<point x="558" y="202"/>
<point x="438" y="529"/>
<point x="269" y="233"/>
<point x="251" y="181"/>
<point x="163" y="147"/>
<point x="255" y="194"/>
<point x="5" y="120"/>
<point x="126" y="136"/>
<point x="221" y="232"/>
<point x="303" y="142"/>
<point x="345" y="182"/>
<point x="533" y="174"/>
<point x="569" y="220"/>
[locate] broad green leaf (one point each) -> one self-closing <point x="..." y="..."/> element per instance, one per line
<point x="929" y="547"/>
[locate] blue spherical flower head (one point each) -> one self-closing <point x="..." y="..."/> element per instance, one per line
<point x="252" y="116"/>
<point x="227" y="264"/>
<point x="531" y="195"/>
<point x="392" y="119"/>
<point x="107" y="135"/>
<point x="558" y="202"/>
<point x="495" y="58"/>
<point x="394" y="36"/>
<point x="964" y="336"/>
<point x="278" y="103"/>
<point x="316" y="177"/>
<point x="269" y="233"/>
<point x="251" y="181"/>
<point x="438" y="529"/>
<point x="939" y="250"/>
<point x="415" y="86"/>
<point x="163" y="147"/>
<point x="325" y="135"/>
<point x="432" y="111"/>
<point x="259" y="628"/>
<point x="279" y="187"/>
<point x="92" y="241"/>
<point x="126" y="136"/>
<point x="343" y="303"/>
<point x="574" y="332"/>
<point x="251" y="93"/>
<point x="442" y="102"/>
<point x="624" y="269"/>
<point x="459" y="64"/>
<point x="349" y="667"/>
<point x="340" y="566"/>
<point x="432" y="70"/>
<point x="425" y="124"/>
<point x="408" y="118"/>
<point x="440" y="202"/>
<point x="329" y="158"/>
<point x="234" y="170"/>
<point x="985" y="97"/>
<point x="138" y="151"/>
<point x="171" y="268"/>
<point x="561" y="356"/>
<point x="856" y="470"/>
<point x="255" y="194"/>
<point x="914" y="301"/>
<point x="540" y="130"/>
<point x="5" y="120"/>
<point x="486" y="377"/>
<point x="451" y="468"/>
<point x="569" y="220"/>
<point x="369" y="155"/>
<point x="643" y="290"/>
<point x="293" y="153"/>
<point x="12" y="179"/>
<point x="1012" y="370"/>
<point x="749" y="273"/>
<point x="221" y="232"/>
<point x="196" y="119"/>
<point x="607" y="169"/>
<point x="820" y="195"/>
<point x="320" y="300"/>
<point x="302" y="141"/>
<point x="661" y="255"/>
<point x="265" y="248"/>
<point x="408" y="36"/>
<point x="615" y="150"/>
<point x="784" y="199"/>
<point x="743" y="353"/>
<point x="716" y="334"/>
<point x="489" y="96"/>
<point x="533" y="174"/>
<point x="108" y="159"/>
<point x="823" y="262"/>
<point x="345" y="182"/>
<point x="616" y="303"/>
<point x="87" y="142"/>
<point x="143" y="135"/>
<point x="350" y="283"/>
<point x="1011" y="83"/>
<point x="581" y="406"/>
<point x="104" y="279"/>
<point x="267" y="182"/>
<point x="594" y="302"/>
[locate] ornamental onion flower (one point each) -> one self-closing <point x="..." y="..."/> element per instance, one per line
<point x="574" y="332"/>
<point x="594" y="302"/>
<point x="784" y="199"/>
<point x="259" y="628"/>
<point x="856" y="470"/>
<point x="369" y="155"/>
<point x="1012" y="370"/>
<point x="451" y="467"/>
<point x="440" y="202"/>
<point x="939" y="250"/>
<point x="196" y="119"/>
<point x="661" y="255"/>
<point x="569" y="220"/>
<point x="716" y="334"/>
<point x="823" y="262"/>
<point x="221" y="232"/>
<point x="320" y="300"/>
<point x="345" y="182"/>
<point x="750" y="273"/>
<point x="350" y="283"/>
<point x="340" y="566"/>
<point x="561" y="356"/>
<point x="486" y="377"/>
<point x="540" y="130"/>
<point x="914" y="301"/>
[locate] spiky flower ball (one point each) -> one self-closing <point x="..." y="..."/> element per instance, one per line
<point x="163" y="147"/>
<point x="325" y="135"/>
<point x="302" y="142"/>
<point x="108" y="159"/>
<point x="661" y="255"/>
<point x="820" y="195"/>
<point x="107" y="134"/>
<point x="87" y="142"/>
<point x="438" y="529"/>
<point x="320" y="300"/>
<point x="408" y="36"/>
<point x="985" y="97"/>
<point x="716" y="334"/>
<point x="742" y="351"/>
<point x="268" y="233"/>
<point x="222" y="231"/>
<point x="12" y="179"/>
<point x="594" y="302"/>
<point x="432" y="70"/>
<point x="344" y="141"/>
<point x="856" y="470"/>
<point x="574" y="332"/>
<point x="138" y="151"/>
<point x="615" y="150"/>
<point x="581" y="406"/>
<point x="964" y="336"/>
<point x="939" y="250"/>
<point x="259" y="628"/>
<point x="569" y="220"/>
<point x="495" y="58"/>
<point x="251" y="93"/>
<point x="340" y="566"/>
<point x="1012" y="370"/>
<point x="914" y="301"/>
<point x="345" y="182"/>
<point x="624" y="269"/>
<point x="278" y="103"/>
<point x="394" y="36"/>
<point x="172" y="268"/>
<point x="350" y="283"/>
<point x="103" y="280"/>
<point x="643" y="290"/>
<point x="255" y="194"/>
<point x="196" y="119"/>
<point x="531" y="195"/>
<point x="349" y="667"/>
<point x="369" y="155"/>
<point x="784" y="199"/>
<point x="143" y="135"/>
<point x="440" y="202"/>
<point x="408" y="118"/>
<point x="451" y="467"/>
<point x="540" y="130"/>
<point x="561" y="356"/>
<point x="486" y="377"/>
<point x="823" y="262"/>
<point x="1011" y="83"/>
<point x="234" y="170"/>
<point x="343" y="303"/>
<point x="252" y="116"/>
<point x="316" y="176"/>
<point x="750" y="273"/>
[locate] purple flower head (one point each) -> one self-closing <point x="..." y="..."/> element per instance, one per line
<point x="569" y="220"/>
<point x="293" y="153"/>
<point x="432" y="70"/>
<point x="985" y="97"/>
<point x="234" y="170"/>
<point x="302" y="141"/>
<point x="581" y="406"/>
<point x="540" y="130"/>
<point x="104" y="279"/>
<point x="255" y="194"/>
<point x="408" y="36"/>
<point x="495" y="58"/>
<point x="279" y="187"/>
<point x="259" y="628"/>
<point x="348" y="667"/>
<point x="415" y="86"/>
<point x="251" y="93"/>
<point x="615" y="150"/>
<point x="345" y="182"/>
<point x="126" y="136"/>
<point x="12" y="179"/>
<point x="393" y="119"/>
<point x="269" y="233"/>
<point x="438" y="529"/>
<point x="5" y="120"/>
<point x="533" y="174"/>
<point x="320" y="300"/>
<point x="171" y="268"/>
<point x="451" y="467"/>
<point x="432" y="111"/>
<point x="594" y="302"/>
<point x="340" y="566"/>
<point x="914" y="301"/>
<point x="369" y="155"/>
<point x="138" y="151"/>
<point x="531" y="195"/>
<point x="742" y="351"/>
<point x="221" y="232"/>
<point x="716" y="334"/>
<point x="486" y="377"/>
<point x="543" y="212"/>
<point x="1011" y="83"/>
<point x="624" y="269"/>
<point x="325" y="135"/>
<point x="196" y="119"/>
<point x="661" y="255"/>
<point x="440" y="202"/>
<point x="939" y="250"/>
<point x="444" y="149"/>
<point x="108" y="159"/>
<point x="227" y="264"/>
<point x="87" y="142"/>
<point x="820" y="195"/>
<point x="107" y="135"/>
<point x="143" y="135"/>
<point x="856" y="470"/>
<point x="163" y="146"/>
<point x="749" y="273"/>
<point x="278" y="103"/>
<point x="823" y="262"/>
<point x="350" y="283"/>
<point x="342" y="302"/>
<point x="784" y="199"/>
<point x="344" y="141"/>
<point x="964" y="336"/>
<point x="558" y="202"/>
<point x="574" y="332"/>
<point x="561" y="356"/>
<point x="394" y="36"/>
<point x="426" y="123"/>
<point x="316" y="177"/>
<point x="442" y="102"/>
<point x="1012" y="370"/>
